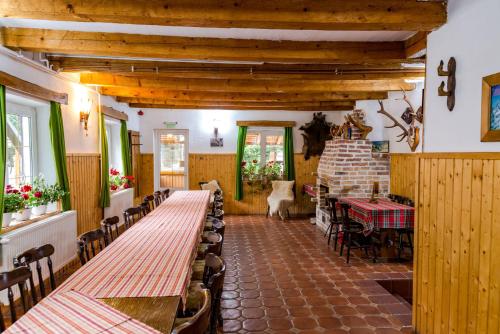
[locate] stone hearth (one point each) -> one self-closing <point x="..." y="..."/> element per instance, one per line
<point x="348" y="168"/>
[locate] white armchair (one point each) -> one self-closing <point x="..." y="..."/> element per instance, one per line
<point x="281" y="198"/>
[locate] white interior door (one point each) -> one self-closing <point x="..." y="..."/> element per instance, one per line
<point x="171" y="149"/>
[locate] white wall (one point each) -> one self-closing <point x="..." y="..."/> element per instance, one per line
<point x="76" y="140"/>
<point x="395" y="106"/>
<point x="200" y="125"/>
<point x="471" y="36"/>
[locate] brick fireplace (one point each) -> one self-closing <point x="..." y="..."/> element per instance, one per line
<point x="348" y="168"/>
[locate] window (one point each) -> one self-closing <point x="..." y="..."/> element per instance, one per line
<point x="264" y="146"/>
<point x="114" y="143"/>
<point x="21" y="151"/>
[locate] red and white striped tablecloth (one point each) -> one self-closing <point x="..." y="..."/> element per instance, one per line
<point x="73" y="312"/>
<point x="151" y="259"/>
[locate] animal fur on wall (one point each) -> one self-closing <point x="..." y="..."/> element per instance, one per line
<point x="315" y="134"/>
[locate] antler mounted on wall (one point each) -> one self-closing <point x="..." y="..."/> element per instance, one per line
<point x="412" y="134"/>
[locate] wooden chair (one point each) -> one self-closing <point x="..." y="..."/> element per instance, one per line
<point x="108" y="224"/>
<point x="353" y="236"/>
<point x="157" y="198"/>
<point x="213" y="278"/>
<point x="211" y="242"/>
<point x="8" y="279"/>
<point x="334" y="221"/>
<point x="91" y="243"/>
<point x="165" y="194"/>
<point x="36" y="255"/>
<point x="216" y="225"/>
<point x="199" y="323"/>
<point x="145" y="208"/>
<point x="150" y="200"/>
<point x="132" y="215"/>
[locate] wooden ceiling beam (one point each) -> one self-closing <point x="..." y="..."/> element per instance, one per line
<point x="249" y="107"/>
<point x="251" y="86"/>
<point x="134" y="95"/>
<point x="234" y="71"/>
<point x="408" y="15"/>
<point x="346" y="103"/>
<point x="204" y="49"/>
<point x="416" y="45"/>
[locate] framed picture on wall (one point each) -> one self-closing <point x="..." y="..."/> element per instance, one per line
<point x="490" y="108"/>
<point x="381" y="146"/>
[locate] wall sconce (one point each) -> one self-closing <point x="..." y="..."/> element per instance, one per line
<point x="85" y="113"/>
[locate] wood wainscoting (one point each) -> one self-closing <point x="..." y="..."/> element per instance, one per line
<point x="457" y="248"/>
<point x="221" y="167"/>
<point x="403" y="174"/>
<point x="84" y="183"/>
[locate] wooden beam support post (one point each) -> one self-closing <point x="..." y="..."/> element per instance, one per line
<point x="27" y="88"/>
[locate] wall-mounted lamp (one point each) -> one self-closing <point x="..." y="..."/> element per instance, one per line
<point x="85" y="113"/>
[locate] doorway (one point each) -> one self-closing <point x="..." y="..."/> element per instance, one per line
<point x="171" y="148"/>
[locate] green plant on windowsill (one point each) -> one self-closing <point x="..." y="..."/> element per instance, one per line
<point x="260" y="178"/>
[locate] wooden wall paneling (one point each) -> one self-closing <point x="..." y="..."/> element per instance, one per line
<point x="146" y="177"/>
<point x="457" y="264"/>
<point x="403" y="174"/>
<point x="84" y="179"/>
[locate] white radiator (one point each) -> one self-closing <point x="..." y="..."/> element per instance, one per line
<point x="59" y="231"/>
<point x="119" y="202"/>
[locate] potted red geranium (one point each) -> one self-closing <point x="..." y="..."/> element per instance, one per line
<point x="25" y="212"/>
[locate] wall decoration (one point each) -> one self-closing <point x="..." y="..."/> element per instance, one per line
<point x="216" y="142"/>
<point x="357" y="120"/>
<point x="451" y="82"/>
<point x="490" y="108"/>
<point x="316" y="133"/>
<point x="381" y="146"/>
<point x="412" y="134"/>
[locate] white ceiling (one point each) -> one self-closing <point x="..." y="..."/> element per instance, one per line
<point x="239" y="33"/>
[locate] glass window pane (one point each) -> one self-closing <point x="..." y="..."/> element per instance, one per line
<point x="19" y="150"/>
<point x="274" y="148"/>
<point x="252" y="151"/>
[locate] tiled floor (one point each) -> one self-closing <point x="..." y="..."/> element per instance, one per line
<point x="283" y="278"/>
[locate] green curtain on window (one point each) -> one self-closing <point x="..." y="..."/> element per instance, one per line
<point x="3" y="148"/>
<point x="126" y="155"/>
<point x="288" y="155"/>
<point x="104" y="200"/>
<point x="59" y="151"/>
<point x="240" y="149"/>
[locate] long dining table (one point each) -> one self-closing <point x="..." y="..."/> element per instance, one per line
<point x="137" y="281"/>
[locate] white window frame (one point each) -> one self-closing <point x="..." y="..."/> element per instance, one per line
<point x="264" y="132"/>
<point x="26" y="111"/>
<point x="157" y="155"/>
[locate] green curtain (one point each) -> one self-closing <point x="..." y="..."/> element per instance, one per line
<point x="104" y="200"/>
<point x="240" y="149"/>
<point x="59" y="151"/>
<point x="3" y="147"/>
<point x="288" y="155"/>
<point x="126" y="155"/>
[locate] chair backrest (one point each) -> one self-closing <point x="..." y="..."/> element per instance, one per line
<point x="36" y="255"/>
<point x="145" y="208"/>
<point x="150" y="199"/>
<point x="91" y="243"/>
<point x="199" y="323"/>
<point x="108" y="224"/>
<point x="331" y="202"/>
<point x="283" y="188"/>
<point x="157" y="198"/>
<point x="215" y="241"/>
<point x="165" y="194"/>
<point x="346" y="221"/>
<point x="132" y="216"/>
<point x="214" y="272"/>
<point x="8" y="279"/>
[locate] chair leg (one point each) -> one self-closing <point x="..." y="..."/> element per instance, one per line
<point x="410" y="242"/>
<point x="328" y="229"/>
<point x="400" y="244"/>
<point x="267" y="212"/>
<point x="288" y="213"/>
<point x="336" y="237"/>
<point x="343" y="243"/>
<point x="349" y="243"/>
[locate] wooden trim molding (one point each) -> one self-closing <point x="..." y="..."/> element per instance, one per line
<point x="110" y="112"/>
<point x="487" y="134"/>
<point x="281" y="124"/>
<point x="19" y="85"/>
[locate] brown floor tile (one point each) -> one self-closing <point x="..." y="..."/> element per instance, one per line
<point x="282" y="277"/>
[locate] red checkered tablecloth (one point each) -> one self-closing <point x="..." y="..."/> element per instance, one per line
<point x="383" y="214"/>
<point x="76" y="313"/>
<point x="153" y="258"/>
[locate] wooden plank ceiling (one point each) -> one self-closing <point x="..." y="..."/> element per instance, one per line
<point x="179" y="72"/>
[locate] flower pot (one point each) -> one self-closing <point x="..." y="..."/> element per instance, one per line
<point x="24" y="214"/>
<point x="7" y="218"/>
<point x="40" y="210"/>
